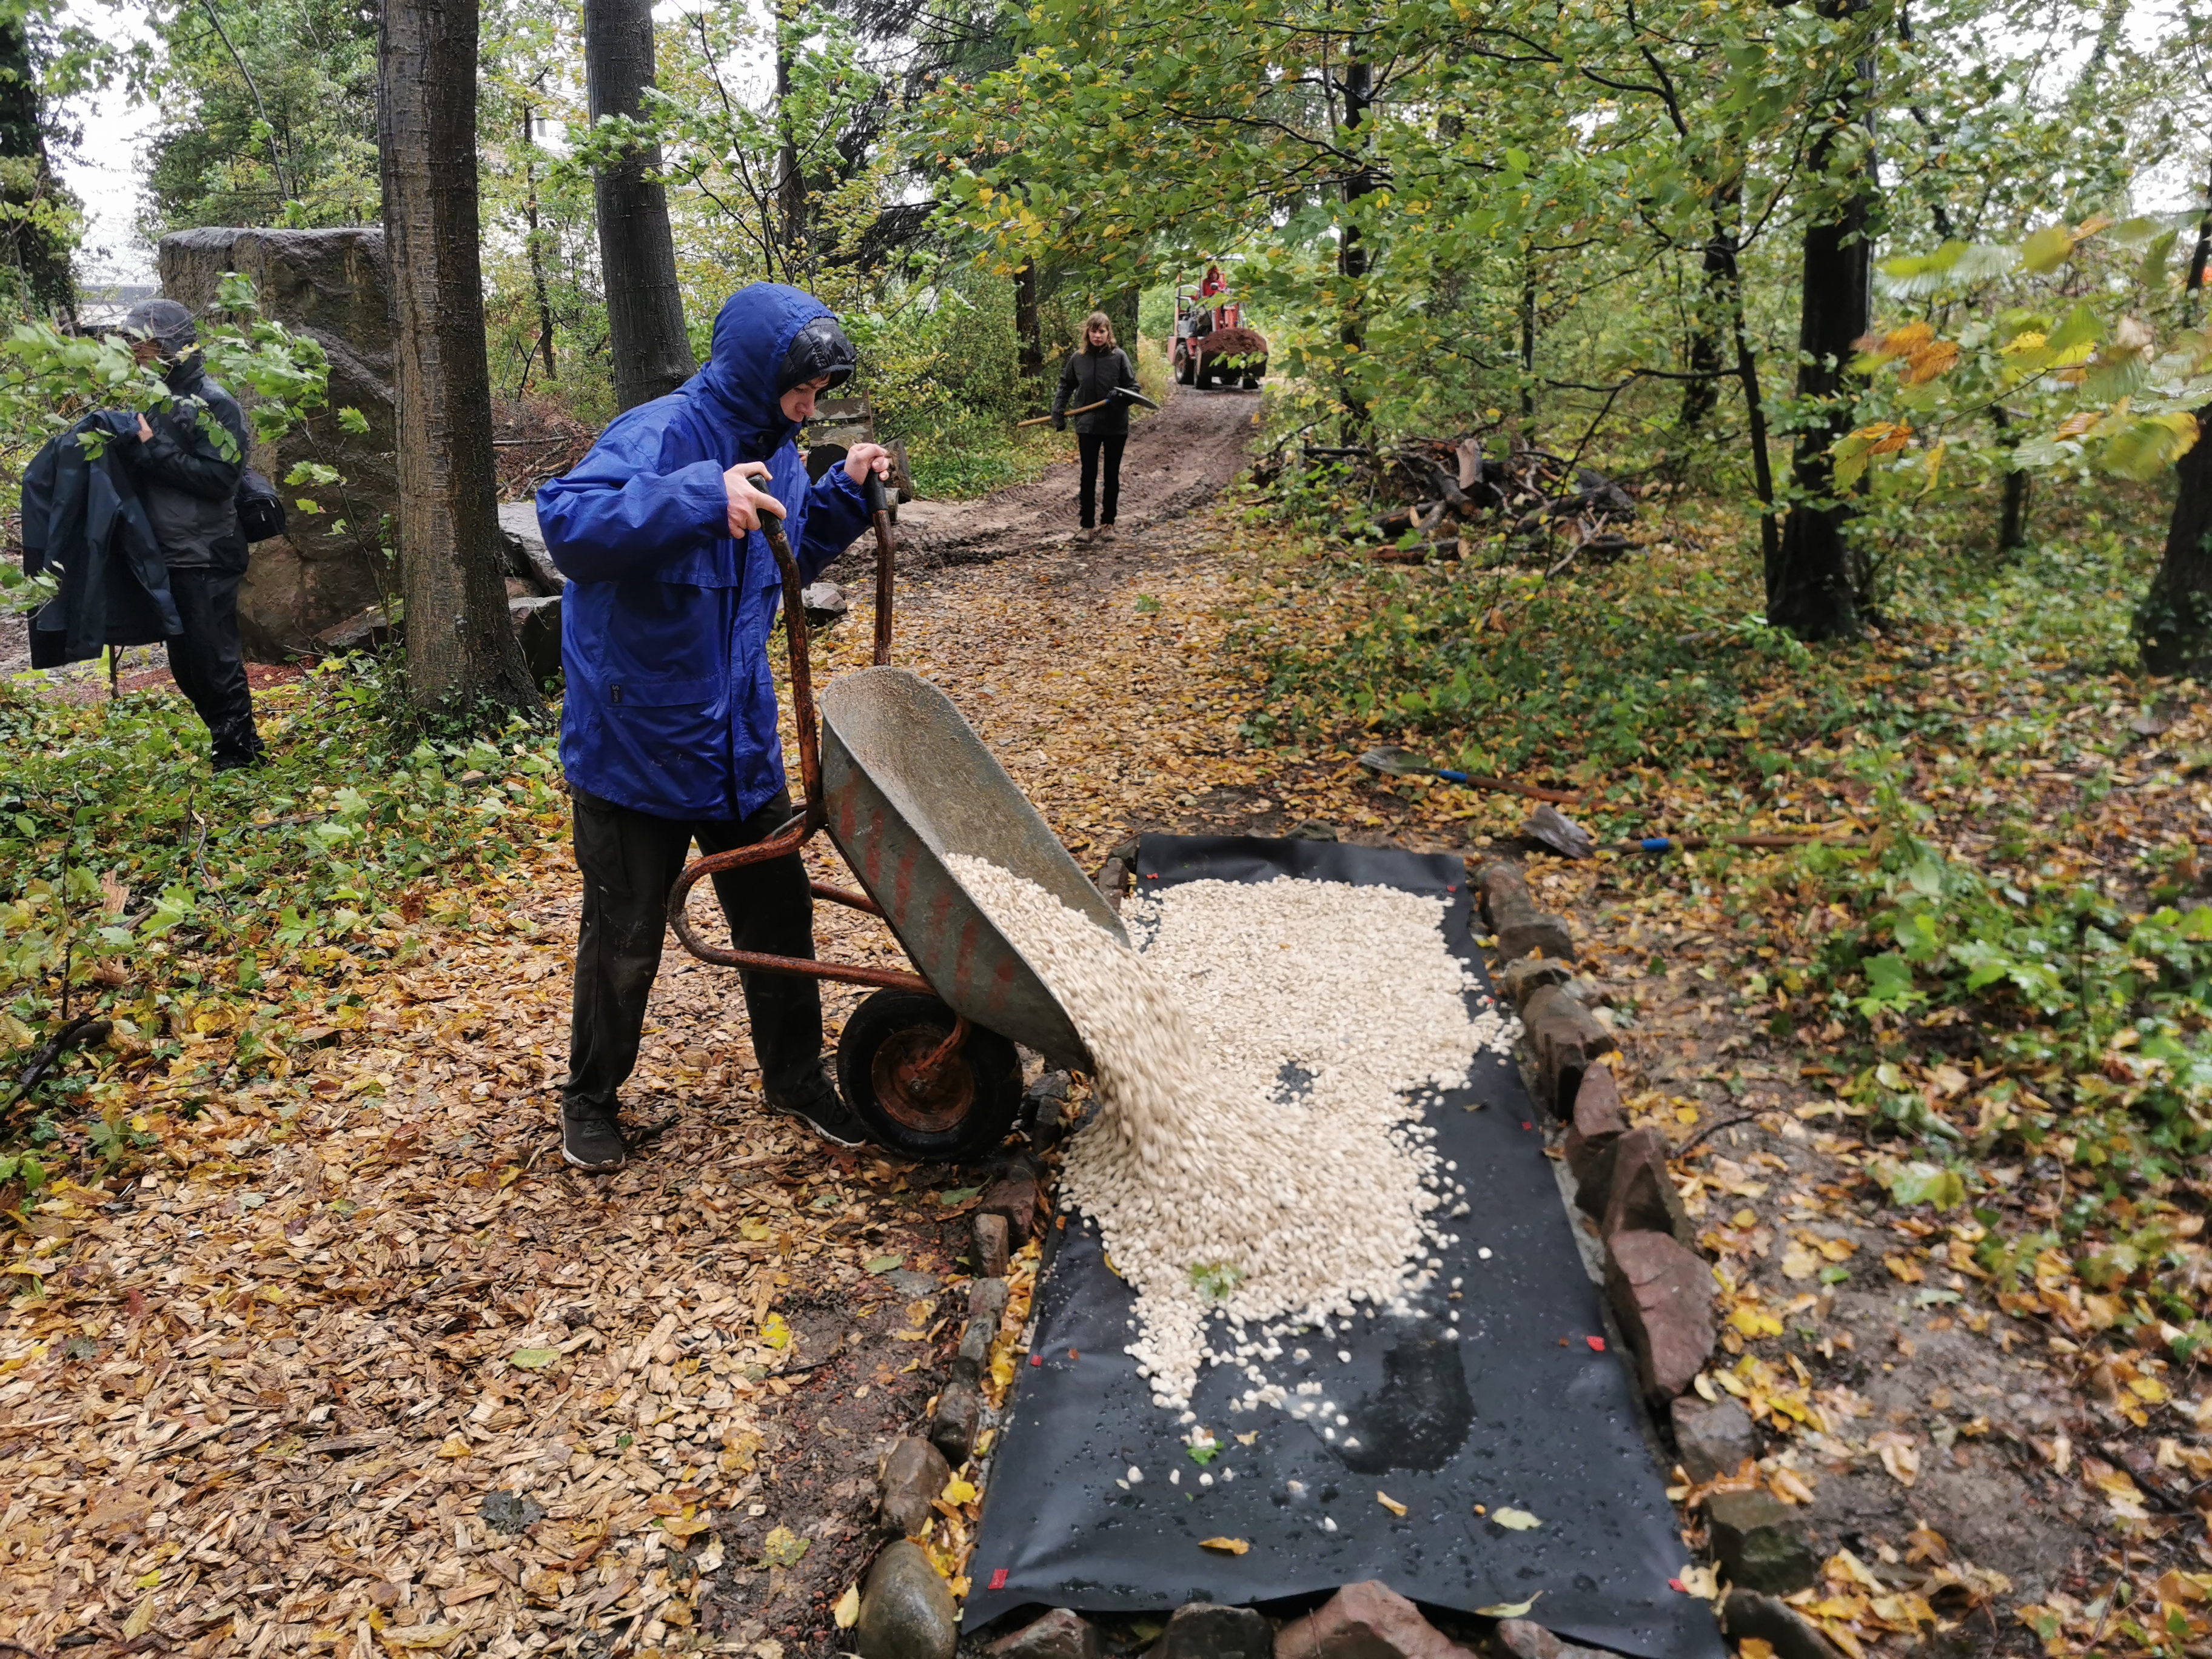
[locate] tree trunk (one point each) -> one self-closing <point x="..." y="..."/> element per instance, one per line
<point x="1702" y="396"/>
<point x="37" y="250"/>
<point x="2174" y="623"/>
<point x="536" y="247"/>
<point x="1028" y="331"/>
<point x="790" y="183"/>
<point x="1529" y="347"/>
<point x="2012" y="513"/>
<point x="462" y="657"/>
<point x="1808" y="586"/>
<point x="1351" y="248"/>
<point x="637" y="250"/>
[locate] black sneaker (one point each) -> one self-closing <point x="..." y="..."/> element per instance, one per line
<point x="593" y="1143"/>
<point x="816" y="1104"/>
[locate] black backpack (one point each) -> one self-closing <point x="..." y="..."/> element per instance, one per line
<point x="260" y="509"/>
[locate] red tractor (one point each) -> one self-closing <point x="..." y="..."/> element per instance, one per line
<point x="1212" y="344"/>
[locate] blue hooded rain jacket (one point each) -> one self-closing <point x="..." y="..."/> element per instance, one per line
<point x="671" y="706"/>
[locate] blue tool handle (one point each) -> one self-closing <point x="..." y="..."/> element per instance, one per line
<point x="1451" y="777"/>
<point x="1655" y="843"/>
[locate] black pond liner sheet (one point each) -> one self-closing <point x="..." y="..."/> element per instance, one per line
<point x="1524" y="1410"/>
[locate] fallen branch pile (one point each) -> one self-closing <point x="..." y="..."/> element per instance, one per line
<point x="1448" y="486"/>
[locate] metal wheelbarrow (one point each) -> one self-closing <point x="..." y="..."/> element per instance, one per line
<point x="900" y="780"/>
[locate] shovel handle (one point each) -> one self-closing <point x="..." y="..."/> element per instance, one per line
<point x="880" y="510"/>
<point x="1066" y="414"/>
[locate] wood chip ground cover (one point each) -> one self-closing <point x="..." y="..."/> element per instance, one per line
<point x="283" y="1384"/>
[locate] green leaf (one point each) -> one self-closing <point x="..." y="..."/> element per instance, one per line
<point x="533" y="1359"/>
<point x="1515" y="1520"/>
<point x="958" y="1195"/>
<point x="2046" y="250"/>
<point x="1923" y="1183"/>
<point x="883" y="1264"/>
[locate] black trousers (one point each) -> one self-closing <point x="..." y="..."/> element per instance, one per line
<point x="631" y="862"/>
<point x="1091" y="445"/>
<point x="208" y="661"/>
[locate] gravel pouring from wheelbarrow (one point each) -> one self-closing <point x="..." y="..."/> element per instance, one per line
<point x="900" y="779"/>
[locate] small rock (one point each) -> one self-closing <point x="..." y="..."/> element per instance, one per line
<point x="1526" y="1641"/>
<point x="989" y="1248"/>
<point x="1114" y="880"/>
<point x="1013" y="1195"/>
<point x="1202" y="1630"/>
<point x="507" y="1511"/>
<point x="907" y="1282"/>
<point x="1747" y="1613"/>
<point x="1596" y="1127"/>
<point x="1524" y="976"/>
<point x="1714" y="1436"/>
<point x="1640" y="1195"/>
<point x="1591" y="994"/>
<point x="975" y="1350"/>
<point x="1547" y="826"/>
<point x="823" y="603"/>
<point x="959" y="1415"/>
<point x="1662" y="1295"/>
<point x="1512" y="915"/>
<point x="1310" y="830"/>
<point x="537" y="624"/>
<point x="1059" y="1635"/>
<point x="1043" y="1104"/>
<point x="1756" y="1539"/>
<point x="1565" y="1041"/>
<point x="1366" y="1620"/>
<point x="906" y="1609"/>
<point x="986" y="1299"/>
<point x="914" y="1474"/>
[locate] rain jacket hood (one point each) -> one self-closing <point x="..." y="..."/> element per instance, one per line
<point x="768" y="339"/>
<point x="669" y="705"/>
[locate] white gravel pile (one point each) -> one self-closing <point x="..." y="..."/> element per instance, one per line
<point x="1262" y="1066"/>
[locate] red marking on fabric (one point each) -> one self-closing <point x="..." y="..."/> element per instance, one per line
<point x="998" y="1579"/>
<point x="1036" y="1359"/>
<point x="1597" y="1344"/>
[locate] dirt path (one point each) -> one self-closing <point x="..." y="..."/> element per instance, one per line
<point x="1176" y="460"/>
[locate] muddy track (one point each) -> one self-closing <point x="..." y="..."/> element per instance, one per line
<point x="1176" y="460"/>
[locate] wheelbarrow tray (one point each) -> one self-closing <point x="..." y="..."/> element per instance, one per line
<point x="905" y="782"/>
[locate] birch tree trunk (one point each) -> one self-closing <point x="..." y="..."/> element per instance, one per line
<point x="462" y="657"/>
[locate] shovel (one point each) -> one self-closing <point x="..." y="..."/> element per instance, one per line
<point x="1397" y="764"/>
<point x="1119" y="392"/>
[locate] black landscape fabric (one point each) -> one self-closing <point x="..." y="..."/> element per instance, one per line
<point x="1528" y="1409"/>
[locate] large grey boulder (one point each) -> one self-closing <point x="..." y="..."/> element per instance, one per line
<point x="334" y="286"/>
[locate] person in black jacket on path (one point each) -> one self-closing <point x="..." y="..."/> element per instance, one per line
<point x="1093" y="375"/>
<point x="190" y="487"/>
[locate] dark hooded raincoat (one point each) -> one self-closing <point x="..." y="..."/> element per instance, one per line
<point x="669" y="705"/>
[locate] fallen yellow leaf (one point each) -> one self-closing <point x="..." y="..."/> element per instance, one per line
<point x="848" y="1611"/>
<point x="1226" y="1546"/>
<point x="958" y="1491"/>
<point x="1389" y="1503"/>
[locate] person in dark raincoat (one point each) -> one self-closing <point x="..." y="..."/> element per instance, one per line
<point x="668" y="728"/>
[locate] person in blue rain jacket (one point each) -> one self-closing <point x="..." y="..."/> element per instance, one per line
<point x="668" y="728"/>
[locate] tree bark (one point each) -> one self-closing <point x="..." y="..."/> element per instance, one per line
<point x="40" y="256"/>
<point x="1358" y="88"/>
<point x="2012" y="513"/>
<point x="2174" y="623"/>
<point x="1702" y="396"/>
<point x="790" y="183"/>
<point x="1808" y="586"/>
<point x="462" y="657"/>
<point x="637" y="250"/>
<point x="536" y="247"/>
<point x="1028" y="330"/>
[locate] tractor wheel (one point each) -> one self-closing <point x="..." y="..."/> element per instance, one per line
<point x="960" y="1114"/>
<point x="1203" y="379"/>
<point x="1185" y="369"/>
<point x="1251" y="383"/>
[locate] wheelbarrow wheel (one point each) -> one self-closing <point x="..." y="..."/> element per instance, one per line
<point x="961" y="1113"/>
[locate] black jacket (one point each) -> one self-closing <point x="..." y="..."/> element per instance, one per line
<point x="83" y="517"/>
<point x="1089" y="376"/>
<point x="190" y="487"/>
